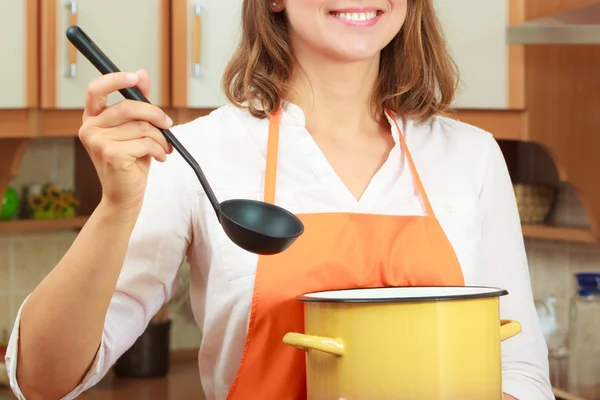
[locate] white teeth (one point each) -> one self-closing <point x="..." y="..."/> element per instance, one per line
<point x="365" y="16"/>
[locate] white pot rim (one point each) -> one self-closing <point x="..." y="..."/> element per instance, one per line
<point x="403" y="294"/>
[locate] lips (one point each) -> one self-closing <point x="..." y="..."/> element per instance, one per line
<point x="356" y="15"/>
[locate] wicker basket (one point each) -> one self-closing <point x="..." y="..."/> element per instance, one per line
<point x="534" y="202"/>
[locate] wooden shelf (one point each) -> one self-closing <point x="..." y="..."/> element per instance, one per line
<point x="558" y="233"/>
<point x="33" y="225"/>
<point x="32" y="123"/>
<point x="529" y="231"/>
<point x="503" y="124"/>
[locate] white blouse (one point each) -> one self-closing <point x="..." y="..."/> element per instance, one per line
<point x="464" y="174"/>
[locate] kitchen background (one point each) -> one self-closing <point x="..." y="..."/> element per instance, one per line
<point x="533" y="89"/>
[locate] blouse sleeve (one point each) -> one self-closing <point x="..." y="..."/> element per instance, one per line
<point x="157" y="248"/>
<point x="504" y="262"/>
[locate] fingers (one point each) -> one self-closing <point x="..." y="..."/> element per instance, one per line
<point x="132" y="110"/>
<point x="99" y="89"/>
<point x="139" y="129"/>
<point x="144" y="82"/>
<point x="94" y="138"/>
<point x="122" y="155"/>
<point x="141" y="120"/>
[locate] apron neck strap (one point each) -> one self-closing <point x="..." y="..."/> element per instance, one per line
<point x="273" y="147"/>
<point x="272" y="150"/>
<point x="413" y="168"/>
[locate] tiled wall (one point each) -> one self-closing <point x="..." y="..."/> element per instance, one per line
<point x="25" y="258"/>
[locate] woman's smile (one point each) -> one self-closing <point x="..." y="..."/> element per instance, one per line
<point x="357" y="17"/>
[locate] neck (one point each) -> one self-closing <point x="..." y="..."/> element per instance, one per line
<point x="335" y="97"/>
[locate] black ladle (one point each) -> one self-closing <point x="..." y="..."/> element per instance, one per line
<point x="255" y="226"/>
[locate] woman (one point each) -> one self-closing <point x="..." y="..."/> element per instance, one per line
<point x="346" y="88"/>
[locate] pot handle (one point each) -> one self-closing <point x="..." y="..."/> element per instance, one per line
<point x="309" y="342"/>
<point x="508" y="329"/>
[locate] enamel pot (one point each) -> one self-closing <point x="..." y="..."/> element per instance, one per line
<point x="410" y="343"/>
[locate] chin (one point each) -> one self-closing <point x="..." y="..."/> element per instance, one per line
<point x="353" y="56"/>
<point x="354" y="51"/>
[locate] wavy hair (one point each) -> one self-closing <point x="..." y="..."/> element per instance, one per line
<point x="417" y="76"/>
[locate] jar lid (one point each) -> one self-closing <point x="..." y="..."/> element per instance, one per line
<point x="588" y="282"/>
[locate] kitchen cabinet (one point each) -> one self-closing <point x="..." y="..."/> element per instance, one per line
<point x="475" y="34"/>
<point x="204" y="36"/>
<point x="18" y="36"/>
<point x="133" y="33"/>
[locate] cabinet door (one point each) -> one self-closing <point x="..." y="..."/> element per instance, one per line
<point x="205" y="34"/>
<point x="475" y="31"/>
<point x="18" y="40"/>
<point x="132" y="33"/>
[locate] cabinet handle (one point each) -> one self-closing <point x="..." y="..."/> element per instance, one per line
<point x="197" y="39"/>
<point x="71" y="70"/>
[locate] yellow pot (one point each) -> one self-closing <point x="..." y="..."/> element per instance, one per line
<point x="404" y="343"/>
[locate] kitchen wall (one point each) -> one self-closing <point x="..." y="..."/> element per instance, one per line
<point x="25" y="258"/>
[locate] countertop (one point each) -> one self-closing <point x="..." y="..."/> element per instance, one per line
<point x="182" y="382"/>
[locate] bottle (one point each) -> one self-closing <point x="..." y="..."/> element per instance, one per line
<point x="584" y="337"/>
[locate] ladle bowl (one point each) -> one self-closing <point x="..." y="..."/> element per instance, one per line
<point x="259" y="226"/>
<point x="255" y="226"/>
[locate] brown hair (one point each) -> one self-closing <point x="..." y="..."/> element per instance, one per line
<point x="417" y="77"/>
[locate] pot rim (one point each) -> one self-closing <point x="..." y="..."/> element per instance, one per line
<point x="453" y="293"/>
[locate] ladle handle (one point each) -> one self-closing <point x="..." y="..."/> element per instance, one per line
<point x="92" y="52"/>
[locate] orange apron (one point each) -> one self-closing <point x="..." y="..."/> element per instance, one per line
<point x="336" y="251"/>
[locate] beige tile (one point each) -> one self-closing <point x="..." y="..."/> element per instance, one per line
<point x="185" y="335"/>
<point x="38" y="164"/>
<point x="65" y="163"/>
<point x="585" y="256"/>
<point x="34" y="255"/>
<point x="4" y="263"/>
<point x="5" y="320"/>
<point x="535" y="246"/>
<point x="549" y="262"/>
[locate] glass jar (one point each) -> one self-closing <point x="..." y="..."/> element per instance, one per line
<point x="584" y="337"/>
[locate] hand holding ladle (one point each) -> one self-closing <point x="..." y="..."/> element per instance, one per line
<point x="255" y="226"/>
